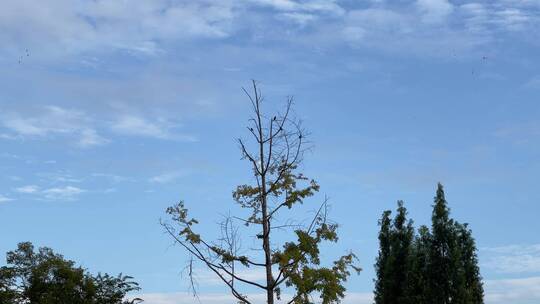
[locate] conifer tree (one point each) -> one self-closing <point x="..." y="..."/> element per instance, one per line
<point x="417" y="284"/>
<point x="394" y="256"/>
<point x="440" y="261"/>
<point x="472" y="291"/>
<point x="381" y="268"/>
<point x="401" y="240"/>
<point x="433" y="267"/>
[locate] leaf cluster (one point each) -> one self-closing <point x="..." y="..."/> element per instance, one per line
<point x="44" y="277"/>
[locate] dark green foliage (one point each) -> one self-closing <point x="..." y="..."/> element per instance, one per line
<point x="438" y="266"/>
<point x="395" y="239"/>
<point x="418" y="268"/>
<point x="44" y="277"/>
<point x="441" y="246"/>
<point x="381" y="265"/>
<point x="469" y="288"/>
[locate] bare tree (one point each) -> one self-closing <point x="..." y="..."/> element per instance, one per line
<point x="274" y="153"/>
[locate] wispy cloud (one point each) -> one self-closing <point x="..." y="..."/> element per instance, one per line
<point x="89" y="137"/>
<point x="435" y="11"/>
<point x="77" y="26"/>
<point x="60" y="177"/>
<point x="132" y="125"/>
<point x="67" y="193"/>
<point x="167" y="177"/>
<point x="27" y="189"/>
<point x="519" y="291"/>
<point x="4" y="199"/>
<point x="53" y="121"/>
<point x="324" y="6"/>
<point x="513" y="258"/>
<point x="113" y="177"/>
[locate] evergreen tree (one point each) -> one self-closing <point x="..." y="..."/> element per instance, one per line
<point x="381" y="265"/>
<point x="440" y="253"/>
<point x="470" y="283"/>
<point x="433" y="267"/>
<point x="417" y="285"/>
<point x="401" y="240"/>
<point x="393" y="257"/>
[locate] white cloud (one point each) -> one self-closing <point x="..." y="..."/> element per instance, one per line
<point x="513" y="258"/>
<point x="319" y="6"/>
<point x="78" y="26"/>
<point x="139" y="126"/>
<point x="53" y="121"/>
<point x="133" y="125"/>
<point x="434" y="11"/>
<point x="150" y="27"/>
<point x="167" y="177"/>
<point x="515" y="291"/>
<point x="299" y="18"/>
<point x="89" y="137"/>
<point x="113" y="177"/>
<point x="28" y="189"/>
<point x="59" y="177"/>
<point x="4" y="199"/>
<point x="66" y="193"/>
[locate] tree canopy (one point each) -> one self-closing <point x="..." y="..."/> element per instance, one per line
<point x="45" y="277"/>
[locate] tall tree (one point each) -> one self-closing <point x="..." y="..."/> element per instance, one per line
<point x="440" y="259"/>
<point x="382" y="263"/>
<point x="469" y="288"/>
<point x="438" y="266"/>
<point x="395" y="240"/>
<point x="278" y="143"/>
<point x="45" y="277"/>
<point x="418" y="268"/>
<point x="402" y="237"/>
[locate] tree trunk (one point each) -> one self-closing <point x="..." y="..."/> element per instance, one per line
<point x="265" y="219"/>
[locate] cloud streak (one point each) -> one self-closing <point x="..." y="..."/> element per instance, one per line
<point x="50" y="121"/>
<point x="132" y="125"/>
<point x="167" y="177"/>
<point x="513" y="259"/>
<point x="518" y="291"/>
<point x="4" y="199"/>
<point x="27" y="189"/>
<point x="66" y="193"/>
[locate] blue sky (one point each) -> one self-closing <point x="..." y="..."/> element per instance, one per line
<point x="110" y="111"/>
